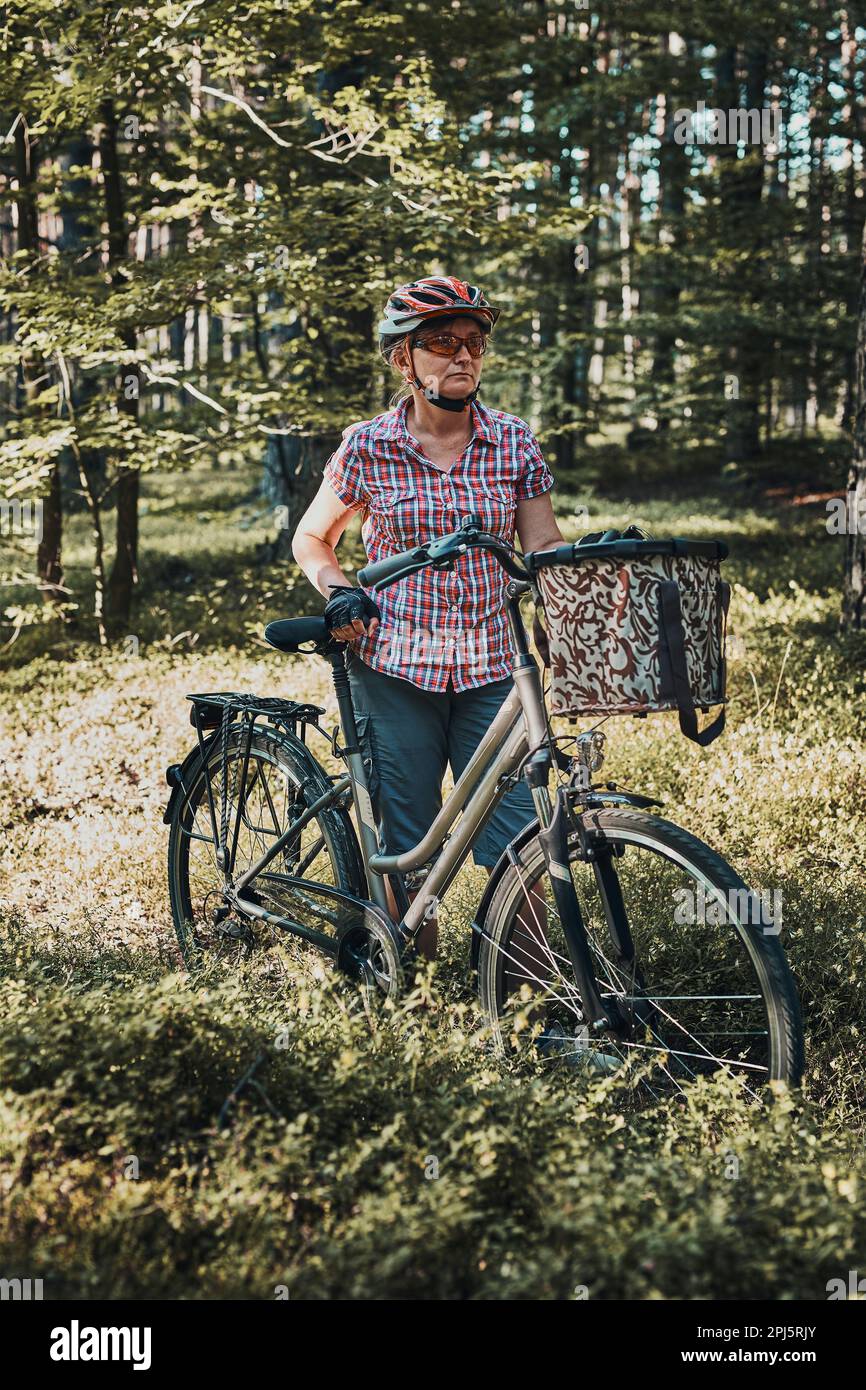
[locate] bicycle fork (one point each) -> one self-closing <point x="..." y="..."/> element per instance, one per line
<point x="601" y="1016"/>
<point x="553" y="826"/>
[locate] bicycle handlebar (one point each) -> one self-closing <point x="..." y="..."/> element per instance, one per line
<point x="441" y="554"/>
<point x="394" y="567"/>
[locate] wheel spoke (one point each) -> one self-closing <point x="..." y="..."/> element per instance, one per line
<point x="690" y="994"/>
<point x="260" y="811"/>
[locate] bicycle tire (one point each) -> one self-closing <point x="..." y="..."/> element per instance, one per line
<point x="661" y="837"/>
<point x="293" y="760"/>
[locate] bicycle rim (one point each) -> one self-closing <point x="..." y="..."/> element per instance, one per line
<point x="273" y="795"/>
<point x="708" y="990"/>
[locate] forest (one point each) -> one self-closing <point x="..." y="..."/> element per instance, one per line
<point x="204" y="205"/>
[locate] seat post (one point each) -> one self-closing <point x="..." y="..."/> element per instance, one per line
<point x="367" y="827"/>
<point x="344" y="699"/>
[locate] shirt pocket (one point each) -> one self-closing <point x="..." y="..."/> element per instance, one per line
<point x="497" y="506"/>
<point x="396" y="514"/>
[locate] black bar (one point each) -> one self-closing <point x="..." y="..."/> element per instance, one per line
<point x="624" y="550"/>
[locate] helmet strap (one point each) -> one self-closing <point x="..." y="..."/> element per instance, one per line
<point x="443" y="402"/>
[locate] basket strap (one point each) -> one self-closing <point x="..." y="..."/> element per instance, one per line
<point x="540" y="638"/>
<point x="724" y="606"/>
<point x="671" y="616"/>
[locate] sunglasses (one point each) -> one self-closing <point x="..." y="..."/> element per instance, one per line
<point x="447" y="344"/>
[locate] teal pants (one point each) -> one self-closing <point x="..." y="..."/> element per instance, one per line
<point x="412" y="735"/>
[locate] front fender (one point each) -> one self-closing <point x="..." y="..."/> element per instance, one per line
<point x="601" y="796"/>
<point x="597" y="797"/>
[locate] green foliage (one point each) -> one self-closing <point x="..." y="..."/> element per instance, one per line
<point x="317" y="1176"/>
<point x="282" y="165"/>
<point x="281" y="168"/>
<point x="378" y="1157"/>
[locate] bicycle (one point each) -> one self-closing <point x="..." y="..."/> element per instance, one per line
<point x="581" y="923"/>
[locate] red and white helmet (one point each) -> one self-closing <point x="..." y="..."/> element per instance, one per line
<point x="434" y="296"/>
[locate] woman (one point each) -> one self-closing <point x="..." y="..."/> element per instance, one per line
<point x="431" y="657"/>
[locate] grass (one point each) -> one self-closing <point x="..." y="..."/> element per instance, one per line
<point x="395" y="1155"/>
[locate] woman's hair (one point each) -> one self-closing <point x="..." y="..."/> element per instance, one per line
<point x="404" y="389"/>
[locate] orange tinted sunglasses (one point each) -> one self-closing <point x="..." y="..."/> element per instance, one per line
<point x="447" y="344"/>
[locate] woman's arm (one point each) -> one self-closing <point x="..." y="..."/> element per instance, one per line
<point x="536" y="524"/>
<point x="313" y="546"/>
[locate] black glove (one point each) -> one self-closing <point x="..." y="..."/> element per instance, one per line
<point x="346" y="604"/>
<point x="631" y="533"/>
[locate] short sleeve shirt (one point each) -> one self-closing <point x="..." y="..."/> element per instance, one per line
<point x="439" y="624"/>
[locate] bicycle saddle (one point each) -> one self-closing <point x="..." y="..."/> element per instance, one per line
<point x="288" y="634"/>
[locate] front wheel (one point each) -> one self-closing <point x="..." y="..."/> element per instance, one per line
<point x="708" y="988"/>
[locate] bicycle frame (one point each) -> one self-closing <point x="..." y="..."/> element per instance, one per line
<point x="518" y="739"/>
<point x="520" y="729"/>
<point x="357" y="930"/>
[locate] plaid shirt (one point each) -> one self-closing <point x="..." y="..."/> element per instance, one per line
<point x="438" y="624"/>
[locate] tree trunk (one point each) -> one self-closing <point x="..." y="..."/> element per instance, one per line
<point x="673" y="175"/>
<point x="854" y="597"/>
<point x="124" y="571"/>
<point x="49" y="555"/>
<point x="294" y="462"/>
<point x="742" y="185"/>
<point x="854" y="211"/>
<point x="49" y="566"/>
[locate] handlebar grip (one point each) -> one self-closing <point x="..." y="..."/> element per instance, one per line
<point x="371" y="575"/>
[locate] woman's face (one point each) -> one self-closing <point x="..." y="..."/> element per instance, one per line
<point x="453" y="376"/>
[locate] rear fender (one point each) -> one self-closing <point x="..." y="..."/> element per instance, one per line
<point x="179" y="776"/>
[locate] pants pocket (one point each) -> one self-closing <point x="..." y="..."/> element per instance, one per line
<point x="367" y="744"/>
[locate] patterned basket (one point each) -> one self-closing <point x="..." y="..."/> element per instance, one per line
<point x="636" y="626"/>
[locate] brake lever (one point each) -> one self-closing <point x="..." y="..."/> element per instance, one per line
<point x="457" y="542"/>
<point x="445" y="548"/>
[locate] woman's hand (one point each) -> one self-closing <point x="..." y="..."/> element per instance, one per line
<point x="356" y="631"/>
<point x="350" y="613"/>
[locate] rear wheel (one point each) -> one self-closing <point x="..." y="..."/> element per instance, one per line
<point x="282" y="778"/>
<point x="708" y="990"/>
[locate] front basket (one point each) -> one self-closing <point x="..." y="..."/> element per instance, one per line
<point x="636" y="627"/>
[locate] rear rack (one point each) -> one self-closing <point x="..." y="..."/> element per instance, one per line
<point x="216" y="711"/>
<point x="210" y="710"/>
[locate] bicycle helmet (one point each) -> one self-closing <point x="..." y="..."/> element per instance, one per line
<point x="435" y="296"/>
